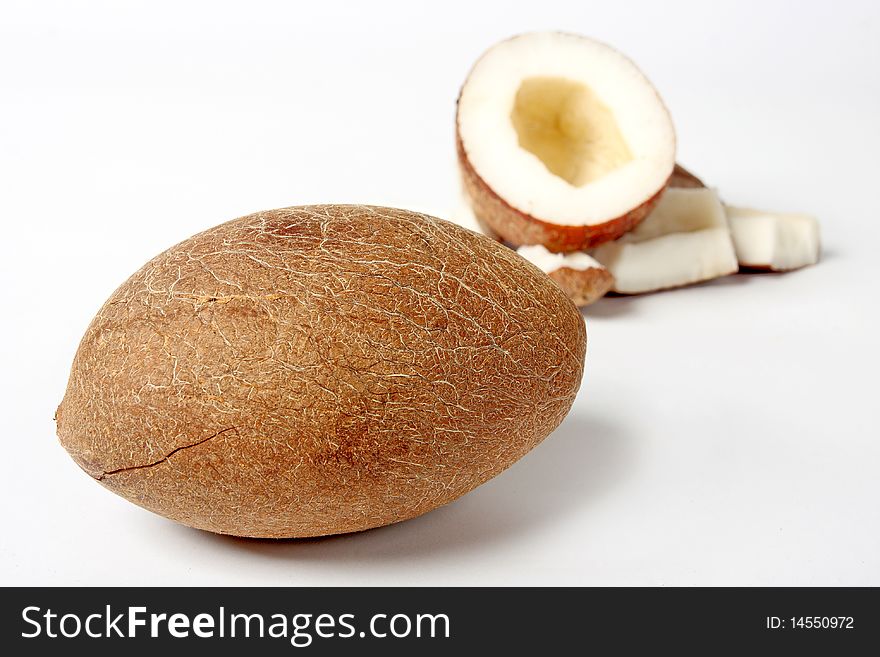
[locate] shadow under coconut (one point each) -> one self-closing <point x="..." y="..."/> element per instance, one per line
<point x="611" y="306"/>
<point x="615" y="305"/>
<point x="574" y="467"/>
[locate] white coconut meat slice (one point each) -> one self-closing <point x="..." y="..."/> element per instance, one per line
<point x="562" y="141"/>
<point x="548" y="262"/>
<point x="773" y="241"/>
<point x="581" y="277"/>
<point x="684" y="240"/>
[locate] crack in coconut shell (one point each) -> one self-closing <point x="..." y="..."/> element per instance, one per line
<point x="110" y="473"/>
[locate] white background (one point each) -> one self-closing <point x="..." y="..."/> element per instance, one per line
<point x="725" y="433"/>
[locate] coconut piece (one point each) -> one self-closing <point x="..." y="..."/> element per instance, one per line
<point x="773" y="241"/>
<point x="561" y="141"/>
<point x="580" y="276"/>
<point x="684" y="240"/>
<point x="682" y="178"/>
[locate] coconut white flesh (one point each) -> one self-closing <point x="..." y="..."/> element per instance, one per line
<point x="774" y="240"/>
<point x="565" y="129"/>
<point x="684" y="240"/>
<point x="548" y="262"/>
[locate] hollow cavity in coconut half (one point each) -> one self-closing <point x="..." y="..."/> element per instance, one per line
<point x="561" y="141"/>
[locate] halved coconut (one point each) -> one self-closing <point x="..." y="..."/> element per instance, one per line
<point x="580" y="276"/>
<point x="773" y="241"/>
<point x="562" y="141"/>
<point x="684" y="240"/>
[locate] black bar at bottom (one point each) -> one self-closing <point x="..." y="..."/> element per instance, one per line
<point x="438" y="620"/>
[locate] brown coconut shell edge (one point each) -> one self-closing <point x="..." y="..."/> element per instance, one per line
<point x="520" y="228"/>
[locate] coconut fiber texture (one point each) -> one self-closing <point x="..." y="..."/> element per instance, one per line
<point x="317" y="370"/>
<point x="583" y="286"/>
